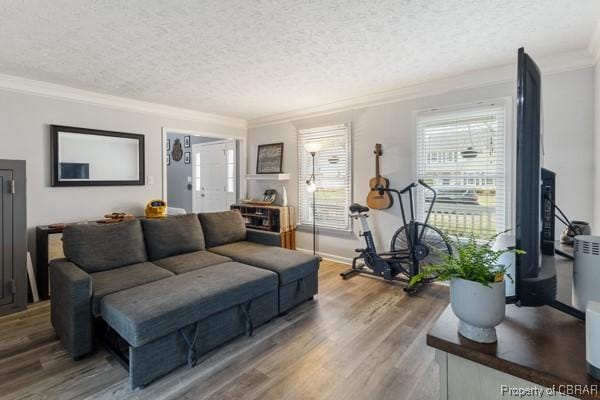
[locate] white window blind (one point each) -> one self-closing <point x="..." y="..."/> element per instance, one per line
<point x="461" y="154"/>
<point x="333" y="175"/>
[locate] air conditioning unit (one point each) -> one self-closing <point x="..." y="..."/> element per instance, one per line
<point x="586" y="270"/>
<point x="592" y="332"/>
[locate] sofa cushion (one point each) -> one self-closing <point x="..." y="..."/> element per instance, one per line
<point x="191" y="261"/>
<point x="290" y="265"/>
<point x="100" y="247"/>
<point x="223" y="227"/>
<point x="107" y="282"/>
<point x="145" y="313"/>
<point x="166" y="237"/>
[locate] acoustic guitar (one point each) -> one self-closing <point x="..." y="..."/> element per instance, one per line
<point x="378" y="200"/>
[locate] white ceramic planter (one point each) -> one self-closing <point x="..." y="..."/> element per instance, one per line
<point x="479" y="308"/>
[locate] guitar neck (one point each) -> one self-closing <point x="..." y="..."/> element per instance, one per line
<point x="377" y="173"/>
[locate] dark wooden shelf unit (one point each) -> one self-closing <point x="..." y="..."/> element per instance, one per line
<point x="280" y="219"/>
<point x="260" y="217"/>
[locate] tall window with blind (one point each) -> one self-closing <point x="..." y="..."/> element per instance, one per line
<point x="461" y="154"/>
<point x="333" y="174"/>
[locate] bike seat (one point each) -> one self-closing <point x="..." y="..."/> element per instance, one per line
<point x="357" y="208"/>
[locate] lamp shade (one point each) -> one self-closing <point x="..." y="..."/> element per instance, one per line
<point x="313" y="147"/>
<point x="311" y="186"/>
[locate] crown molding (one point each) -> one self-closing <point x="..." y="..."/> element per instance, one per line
<point x="45" y="89"/>
<point x="557" y="63"/>
<point x="594" y="46"/>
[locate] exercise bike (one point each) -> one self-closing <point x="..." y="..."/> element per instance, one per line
<point x="414" y="245"/>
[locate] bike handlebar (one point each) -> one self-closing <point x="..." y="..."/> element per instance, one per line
<point x="426" y="186"/>
<point x="421" y="182"/>
<point x="406" y="189"/>
<point x="381" y="190"/>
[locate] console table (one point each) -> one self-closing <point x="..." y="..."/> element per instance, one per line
<point x="41" y="258"/>
<point x="539" y="348"/>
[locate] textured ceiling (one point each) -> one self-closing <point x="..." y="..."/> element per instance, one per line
<point x="254" y="58"/>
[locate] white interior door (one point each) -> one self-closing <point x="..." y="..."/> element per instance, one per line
<point x="214" y="174"/>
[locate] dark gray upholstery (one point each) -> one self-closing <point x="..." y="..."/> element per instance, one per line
<point x="296" y="292"/>
<point x="263" y="237"/>
<point x="97" y="247"/>
<point x="191" y="261"/>
<point x="290" y="265"/>
<point x="107" y="282"/>
<point x="70" y="306"/>
<point x="223" y="227"/>
<point x="166" y="237"/>
<point x="148" y="312"/>
<point x="156" y="358"/>
<point x="184" y="292"/>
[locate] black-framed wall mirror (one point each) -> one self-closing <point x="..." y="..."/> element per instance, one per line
<point x="91" y="157"/>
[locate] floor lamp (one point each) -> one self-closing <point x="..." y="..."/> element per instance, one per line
<point x="311" y="187"/>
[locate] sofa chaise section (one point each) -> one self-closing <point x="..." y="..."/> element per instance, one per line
<point x="173" y="321"/>
<point x="297" y="271"/>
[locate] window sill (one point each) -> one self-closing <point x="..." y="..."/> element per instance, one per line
<point x="327" y="231"/>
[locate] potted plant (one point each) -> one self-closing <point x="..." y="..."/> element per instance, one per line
<point x="477" y="285"/>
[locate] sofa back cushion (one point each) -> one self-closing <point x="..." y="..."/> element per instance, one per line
<point x="98" y="247"/>
<point x="171" y="236"/>
<point x="223" y="227"/>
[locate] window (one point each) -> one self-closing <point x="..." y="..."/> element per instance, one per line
<point x="333" y="174"/>
<point x="197" y="171"/>
<point x="461" y="154"/>
<point x="230" y="170"/>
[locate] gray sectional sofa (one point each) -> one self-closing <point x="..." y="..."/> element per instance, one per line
<point x="174" y="288"/>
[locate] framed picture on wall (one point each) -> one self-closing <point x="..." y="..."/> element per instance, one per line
<point x="186" y="142"/>
<point x="187" y="157"/>
<point x="269" y="159"/>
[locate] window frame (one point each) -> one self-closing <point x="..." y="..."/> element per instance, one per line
<point x="308" y="226"/>
<point x="509" y="147"/>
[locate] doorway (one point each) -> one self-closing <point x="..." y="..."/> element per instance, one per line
<point x="214" y="176"/>
<point x="200" y="172"/>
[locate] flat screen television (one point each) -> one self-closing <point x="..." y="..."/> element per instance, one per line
<point x="535" y="282"/>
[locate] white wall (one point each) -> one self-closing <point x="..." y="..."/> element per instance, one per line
<point x="25" y="135"/>
<point x="568" y="101"/>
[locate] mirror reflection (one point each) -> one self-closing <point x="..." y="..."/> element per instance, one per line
<point x="103" y="158"/>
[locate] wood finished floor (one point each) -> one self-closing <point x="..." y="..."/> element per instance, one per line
<point x="360" y="339"/>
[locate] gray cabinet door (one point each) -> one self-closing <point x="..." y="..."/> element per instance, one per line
<point x="7" y="284"/>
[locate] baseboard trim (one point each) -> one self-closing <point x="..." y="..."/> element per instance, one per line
<point x="329" y="257"/>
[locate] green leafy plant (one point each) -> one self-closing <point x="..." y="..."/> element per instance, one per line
<point x="472" y="260"/>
